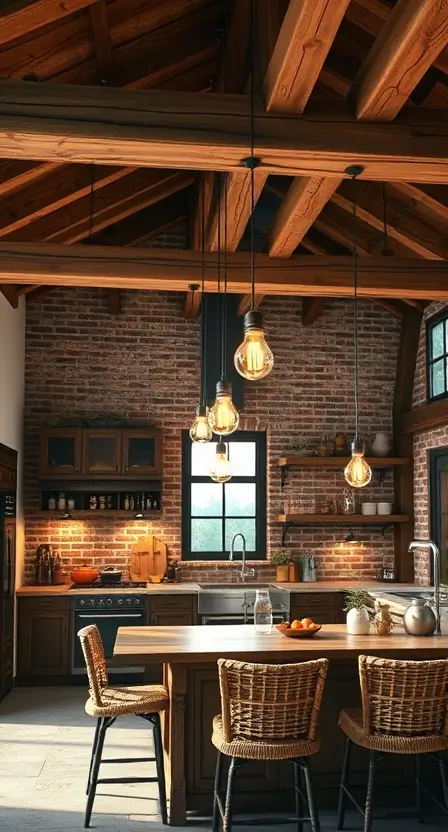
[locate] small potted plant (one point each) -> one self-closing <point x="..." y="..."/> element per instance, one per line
<point x="358" y="622"/>
<point x="281" y="560"/>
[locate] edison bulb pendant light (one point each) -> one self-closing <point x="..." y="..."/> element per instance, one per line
<point x="223" y="416"/>
<point x="221" y="471"/>
<point x="253" y="358"/>
<point x="200" y="430"/>
<point x="358" y="472"/>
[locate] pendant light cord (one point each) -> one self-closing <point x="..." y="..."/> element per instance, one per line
<point x="92" y="186"/>
<point x="252" y="142"/>
<point x="355" y="307"/>
<point x="384" y="216"/>
<point x="203" y="301"/>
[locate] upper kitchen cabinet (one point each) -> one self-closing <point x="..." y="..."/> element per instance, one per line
<point x="142" y="452"/>
<point x="101" y="451"/>
<point x="61" y="452"/>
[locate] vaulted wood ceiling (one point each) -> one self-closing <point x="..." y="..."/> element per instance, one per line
<point x="336" y="82"/>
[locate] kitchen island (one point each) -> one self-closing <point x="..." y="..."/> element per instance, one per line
<point x="190" y="654"/>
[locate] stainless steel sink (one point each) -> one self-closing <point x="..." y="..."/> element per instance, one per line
<point x="237" y="586"/>
<point x="234" y="603"/>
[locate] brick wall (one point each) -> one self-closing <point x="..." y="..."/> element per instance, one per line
<point x="144" y="364"/>
<point x="423" y="443"/>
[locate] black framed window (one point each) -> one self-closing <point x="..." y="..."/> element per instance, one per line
<point x="437" y="356"/>
<point x="213" y="512"/>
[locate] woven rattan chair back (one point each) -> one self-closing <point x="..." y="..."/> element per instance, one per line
<point x="271" y="702"/>
<point x="403" y="697"/>
<point x="92" y="647"/>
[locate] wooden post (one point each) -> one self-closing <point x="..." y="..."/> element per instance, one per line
<point x="404" y="445"/>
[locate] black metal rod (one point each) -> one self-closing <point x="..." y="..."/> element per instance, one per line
<point x="252" y="142"/>
<point x="355" y="307"/>
<point x="202" y="380"/>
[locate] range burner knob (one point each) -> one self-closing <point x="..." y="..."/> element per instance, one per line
<point x="82" y="602"/>
<point x="109" y="602"/>
<point x="101" y="602"/>
<point x="137" y="602"/>
<point x="120" y="602"/>
<point x="92" y="602"/>
<point x="129" y="601"/>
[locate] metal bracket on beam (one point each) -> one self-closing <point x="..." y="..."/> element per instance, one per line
<point x="285" y="530"/>
<point x="284" y="471"/>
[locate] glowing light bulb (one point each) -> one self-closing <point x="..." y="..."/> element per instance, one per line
<point x="223" y="416"/>
<point x="253" y="358"/>
<point x="358" y="472"/>
<point x="200" y="430"/>
<point x="221" y="471"/>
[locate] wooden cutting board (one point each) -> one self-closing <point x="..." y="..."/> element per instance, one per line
<point x="148" y="558"/>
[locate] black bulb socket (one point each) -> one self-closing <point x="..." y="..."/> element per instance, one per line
<point x="221" y="447"/>
<point x="357" y="446"/>
<point x="253" y="320"/>
<point x="224" y="388"/>
<point x="201" y="410"/>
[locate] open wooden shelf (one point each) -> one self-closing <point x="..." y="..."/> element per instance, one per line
<point x="343" y="519"/>
<point x="338" y="461"/>
<point x="57" y="515"/>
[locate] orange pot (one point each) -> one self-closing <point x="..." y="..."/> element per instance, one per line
<point x="84" y="575"/>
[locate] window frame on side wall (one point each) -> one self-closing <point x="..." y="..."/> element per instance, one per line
<point x="431" y="324"/>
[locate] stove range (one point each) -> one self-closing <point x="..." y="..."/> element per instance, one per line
<point x="105" y="587"/>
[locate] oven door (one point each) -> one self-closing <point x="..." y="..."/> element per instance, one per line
<point x="277" y="618"/>
<point x="108" y="623"/>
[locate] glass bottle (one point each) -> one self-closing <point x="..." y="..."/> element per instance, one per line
<point x="61" y="501"/>
<point x="263" y="612"/>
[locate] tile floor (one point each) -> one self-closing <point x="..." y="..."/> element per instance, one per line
<point x="45" y="742"/>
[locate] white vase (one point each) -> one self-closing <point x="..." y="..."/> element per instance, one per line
<point x="381" y="445"/>
<point x="358" y="623"/>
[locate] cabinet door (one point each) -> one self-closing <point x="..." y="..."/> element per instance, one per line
<point x="61" y="452"/>
<point x="43" y="643"/>
<point x="167" y="618"/>
<point x="101" y="451"/>
<point x="142" y="452"/>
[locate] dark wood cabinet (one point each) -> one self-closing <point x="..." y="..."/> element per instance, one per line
<point x="61" y="452"/>
<point x="322" y="607"/>
<point x="101" y="451"/>
<point x="172" y="610"/>
<point x="8" y="481"/>
<point x="43" y="637"/>
<point x="142" y="452"/>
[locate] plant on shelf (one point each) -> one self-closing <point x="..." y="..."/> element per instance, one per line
<point x="281" y="559"/>
<point x="358" y="622"/>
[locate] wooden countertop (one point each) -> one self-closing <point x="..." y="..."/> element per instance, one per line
<point x="190" y="588"/>
<point x="192" y="645"/>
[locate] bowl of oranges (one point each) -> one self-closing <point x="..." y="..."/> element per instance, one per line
<point x="299" y="628"/>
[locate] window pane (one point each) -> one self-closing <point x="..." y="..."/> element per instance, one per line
<point x="206" y="536"/>
<point x="202" y="458"/>
<point x="437" y="378"/>
<point x="242" y="458"/>
<point x="437" y="340"/>
<point x="246" y="527"/>
<point x="206" y="499"/>
<point x="240" y="499"/>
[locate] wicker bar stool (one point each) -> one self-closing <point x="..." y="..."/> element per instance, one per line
<point x="106" y="704"/>
<point x="269" y="712"/>
<point x="404" y="711"/>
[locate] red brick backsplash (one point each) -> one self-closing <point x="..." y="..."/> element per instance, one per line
<point x="423" y="443"/>
<point x="144" y="364"/>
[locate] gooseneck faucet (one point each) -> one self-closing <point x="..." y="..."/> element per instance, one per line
<point x="244" y="574"/>
<point x="429" y="544"/>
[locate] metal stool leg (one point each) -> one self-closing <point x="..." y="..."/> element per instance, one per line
<point x="344" y="784"/>
<point x="95" y="768"/>
<point x="298" y="794"/>
<point x="228" y="813"/>
<point x="314" y="817"/>
<point x="158" y="749"/>
<point x="216" y="822"/>
<point x="369" y="797"/>
<point x="95" y="740"/>
<point x="443" y="774"/>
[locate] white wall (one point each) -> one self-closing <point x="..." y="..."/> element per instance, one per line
<point x="12" y="387"/>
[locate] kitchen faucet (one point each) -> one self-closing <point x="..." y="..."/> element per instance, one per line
<point x="244" y="574"/>
<point x="429" y="544"/>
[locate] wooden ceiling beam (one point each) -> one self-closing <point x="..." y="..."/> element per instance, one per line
<point x="116" y="202"/>
<point x="193" y="300"/>
<point x="55" y="191"/>
<point x="175" y="270"/>
<point x="15" y="175"/>
<point x="9" y="292"/>
<point x="301" y="206"/>
<point x="406" y="47"/>
<point x="151" y="221"/>
<point x="312" y="309"/>
<point x="99" y="24"/>
<point x="434" y="198"/>
<point x="246" y="303"/>
<point x="151" y="128"/>
<point x="408" y="229"/>
<point x="114" y="301"/>
<point x="302" y="46"/>
<point x="21" y="17"/>
<point x="377" y="14"/>
<point x="235" y="206"/>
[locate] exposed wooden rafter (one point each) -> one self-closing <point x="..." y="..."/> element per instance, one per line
<point x="300" y="208"/>
<point x="101" y="35"/>
<point x="406" y="47"/>
<point x="21" y="17"/>
<point x="15" y="175"/>
<point x="149" y="128"/>
<point x="114" y="301"/>
<point x="246" y="302"/>
<point x="9" y="291"/>
<point x="193" y="299"/>
<point x="312" y="309"/>
<point x="151" y="221"/>
<point x="175" y="270"/>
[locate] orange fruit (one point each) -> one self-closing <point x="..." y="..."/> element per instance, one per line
<point x="297" y="625"/>
<point x="307" y="623"/>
